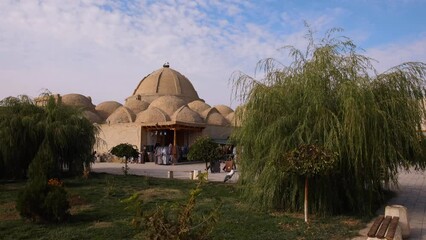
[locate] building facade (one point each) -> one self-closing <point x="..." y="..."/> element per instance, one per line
<point x="163" y="109"/>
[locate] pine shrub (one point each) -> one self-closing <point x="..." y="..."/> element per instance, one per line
<point x="56" y="204"/>
<point x="42" y="202"/>
<point x="30" y="202"/>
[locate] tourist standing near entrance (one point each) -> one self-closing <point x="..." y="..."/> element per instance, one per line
<point x="165" y="155"/>
<point x="174" y="155"/>
<point x="169" y="153"/>
<point x="158" y="154"/>
<point x="234" y="153"/>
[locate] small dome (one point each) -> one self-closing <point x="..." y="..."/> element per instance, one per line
<point x="231" y="119"/>
<point x="121" y="115"/>
<point x="152" y="115"/>
<point x="213" y="117"/>
<point x="168" y="104"/>
<point x="92" y="117"/>
<point x="198" y="106"/>
<point x="163" y="82"/>
<point x="185" y="114"/>
<point x="136" y="105"/>
<point x="224" y="110"/>
<point x="105" y="109"/>
<point x="78" y="100"/>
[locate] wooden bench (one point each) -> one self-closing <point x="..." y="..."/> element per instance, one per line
<point x="385" y="227"/>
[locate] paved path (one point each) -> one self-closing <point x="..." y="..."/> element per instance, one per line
<point x="411" y="192"/>
<point x="181" y="171"/>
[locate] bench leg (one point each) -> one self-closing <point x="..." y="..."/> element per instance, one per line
<point x="398" y="233"/>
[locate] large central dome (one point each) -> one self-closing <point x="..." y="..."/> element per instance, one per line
<point x="165" y="82"/>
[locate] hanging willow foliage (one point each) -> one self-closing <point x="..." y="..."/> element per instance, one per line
<point x="26" y="130"/>
<point x="332" y="97"/>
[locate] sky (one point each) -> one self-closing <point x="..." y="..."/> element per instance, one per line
<point x="104" y="48"/>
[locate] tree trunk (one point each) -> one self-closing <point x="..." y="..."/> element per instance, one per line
<point x="306" y="200"/>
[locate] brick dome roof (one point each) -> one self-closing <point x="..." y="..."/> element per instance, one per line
<point x="165" y="82"/>
<point x="105" y="109"/>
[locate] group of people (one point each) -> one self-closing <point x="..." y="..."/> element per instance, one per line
<point x="165" y="155"/>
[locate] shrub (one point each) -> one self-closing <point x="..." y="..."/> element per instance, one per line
<point x="31" y="200"/>
<point x="125" y="150"/>
<point x="41" y="201"/>
<point x="56" y="205"/>
<point x="44" y="197"/>
<point x="182" y="221"/>
<point x="204" y="149"/>
<point x="175" y="221"/>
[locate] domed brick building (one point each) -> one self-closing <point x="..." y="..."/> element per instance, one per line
<point x="164" y="108"/>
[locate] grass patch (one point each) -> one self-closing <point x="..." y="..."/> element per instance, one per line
<point x="97" y="212"/>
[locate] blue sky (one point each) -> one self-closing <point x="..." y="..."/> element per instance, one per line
<point x="103" y="48"/>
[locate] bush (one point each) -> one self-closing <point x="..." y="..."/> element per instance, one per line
<point x="204" y="149"/>
<point x="56" y="205"/>
<point x="125" y="150"/>
<point x="175" y="221"/>
<point x="31" y="200"/>
<point x="40" y="201"/>
<point x="43" y="198"/>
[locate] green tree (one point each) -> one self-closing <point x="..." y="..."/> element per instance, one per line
<point x="21" y="134"/>
<point x="332" y="97"/>
<point x="127" y="151"/>
<point x="69" y="135"/>
<point x="26" y="129"/>
<point x="204" y="149"/>
<point x="66" y="138"/>
<point x="308" y="161"/>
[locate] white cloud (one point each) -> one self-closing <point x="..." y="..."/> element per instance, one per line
<point x="95" y="48"/>
<point x="394" y="54"/>
<point x="103" y="48"/>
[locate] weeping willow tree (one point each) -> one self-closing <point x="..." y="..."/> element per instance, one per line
<point x="329" y="96"/>
<point x="69" y="135"/>
<point x="20" y="135"/>
<point x="27" y="130"/>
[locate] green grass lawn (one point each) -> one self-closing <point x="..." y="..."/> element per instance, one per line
<point x="97" y="212"/>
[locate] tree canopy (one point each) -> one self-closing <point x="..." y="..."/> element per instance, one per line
<point x="329" y="96"/>
<point x="20" y="134"/>
<point x="55" y="131"/>
<point x="125" y="150"/>
<point x="204" y="149"/>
